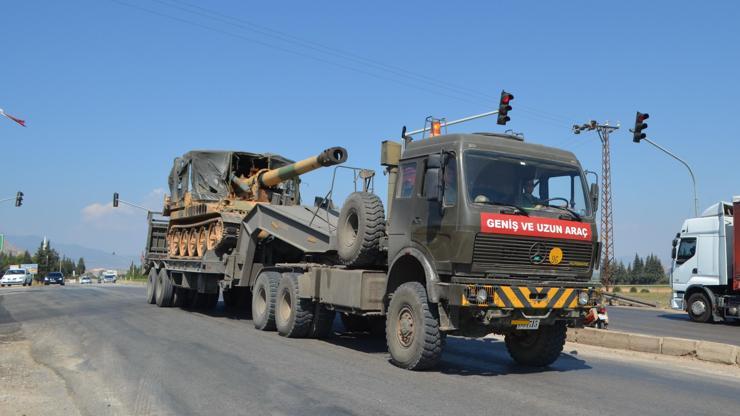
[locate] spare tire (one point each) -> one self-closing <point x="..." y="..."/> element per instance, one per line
<point x="361" y="226"/>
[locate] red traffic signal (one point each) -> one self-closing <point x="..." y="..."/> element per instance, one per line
<point x="504" y="108"/>
<point x="640" y="125"/>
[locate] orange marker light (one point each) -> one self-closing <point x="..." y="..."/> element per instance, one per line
<point x="436" y="128"/>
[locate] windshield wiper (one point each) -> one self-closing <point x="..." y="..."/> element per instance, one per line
<point x="518" y="209"/>
<point x="566" y="209"/>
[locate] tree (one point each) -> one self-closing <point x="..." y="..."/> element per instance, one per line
<point x="638" y="268"/>
<point x="27" y="258"/>
<point x="80" y="266"/>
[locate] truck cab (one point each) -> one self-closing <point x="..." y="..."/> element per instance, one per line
<point x="702" y="265"/>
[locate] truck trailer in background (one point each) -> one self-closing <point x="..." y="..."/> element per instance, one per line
<point x="705" y="276"/>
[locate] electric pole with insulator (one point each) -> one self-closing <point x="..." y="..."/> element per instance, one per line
<point x="607" y="225"/>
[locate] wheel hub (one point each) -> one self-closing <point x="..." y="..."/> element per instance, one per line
<point x="405" y="331"/>
<point x="698" y="307"/>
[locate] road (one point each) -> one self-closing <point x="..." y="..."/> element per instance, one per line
<point x="119" y="355"/>
<point x="668" y="323"/>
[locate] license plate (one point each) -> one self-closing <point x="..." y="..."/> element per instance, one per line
<point x="529" y="325"/>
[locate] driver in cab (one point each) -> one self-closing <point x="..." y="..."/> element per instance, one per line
<point x="526" y="199"/>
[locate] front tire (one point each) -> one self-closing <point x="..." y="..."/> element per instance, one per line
<point x="263" y="300"/>
<point x="151" y="283"/>
<point x="538" y="348"/>
<point x="293" y="315"/>
<point x="699" y="308"/>
<point x="412" y="330"/>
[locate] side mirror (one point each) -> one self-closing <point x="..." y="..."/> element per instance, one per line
<point x="594" y="196"/>
<point x="433" y="178"/>
<point x="675" y="242"/>
<point x="673" y="253"/>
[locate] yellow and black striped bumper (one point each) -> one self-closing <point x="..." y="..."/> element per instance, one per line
<point x="523" y="297"/>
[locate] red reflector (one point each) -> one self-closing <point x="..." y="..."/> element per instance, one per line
<point x="602" y="310"/>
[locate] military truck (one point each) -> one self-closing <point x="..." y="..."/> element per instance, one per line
<point x="484" y="233"/>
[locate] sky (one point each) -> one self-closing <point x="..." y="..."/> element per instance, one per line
<point x="113" y="90"/>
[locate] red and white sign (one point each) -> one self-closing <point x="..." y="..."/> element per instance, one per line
<point x="534" y="226"/>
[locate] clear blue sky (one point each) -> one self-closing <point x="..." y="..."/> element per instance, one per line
<point x="112" y="93"/>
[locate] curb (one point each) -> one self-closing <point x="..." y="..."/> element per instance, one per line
<point x="703" y="350"/>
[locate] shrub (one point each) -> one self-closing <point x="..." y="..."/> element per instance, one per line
<point x="617" y="289"/>
<point x="643" y="290"/>
<point x="633" y="289"/>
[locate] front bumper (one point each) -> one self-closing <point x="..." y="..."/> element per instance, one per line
<point x="12" y="282"/>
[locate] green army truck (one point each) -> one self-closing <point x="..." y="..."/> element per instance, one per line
<point x="483" y="233"/>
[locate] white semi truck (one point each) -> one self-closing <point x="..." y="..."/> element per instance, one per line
<point x="705" y="273"/>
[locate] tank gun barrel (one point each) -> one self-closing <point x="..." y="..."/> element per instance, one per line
<point x="266" y="178"/>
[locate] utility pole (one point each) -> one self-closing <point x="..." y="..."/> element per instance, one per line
<point x="607" y="224"/>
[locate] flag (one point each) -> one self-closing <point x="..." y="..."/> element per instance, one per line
<point x="17" y="120"/>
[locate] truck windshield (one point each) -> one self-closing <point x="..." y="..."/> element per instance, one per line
<point x="530" y="184"/>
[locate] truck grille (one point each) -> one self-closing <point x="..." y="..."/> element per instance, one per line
<point x="514" y="254"/>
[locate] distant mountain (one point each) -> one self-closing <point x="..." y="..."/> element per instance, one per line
<point x="94" y="258"/>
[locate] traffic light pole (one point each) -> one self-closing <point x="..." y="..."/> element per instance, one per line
<point x="134" y="205"/>
<point x="453" y="122"/>
<point x="691" y="172"/>
<point x="7" y="199"/>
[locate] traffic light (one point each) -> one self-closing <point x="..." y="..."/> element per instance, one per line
<point x="504" y="108"/>
<point x="19" y="199"/>
<point x="640" y="125"/>
<point x="115" y="199"/>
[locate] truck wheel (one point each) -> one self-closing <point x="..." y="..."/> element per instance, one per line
<point x="699" y="308"/>
<point x="538" y="348"/>
<point x="323" y="322"/>
<point x="293" y="315"/>
<point x="163" y="289"/>
<point x="263" y="300"/>
<point x="412" y="330"/>
<point x="150" y="285"/>
<point x="361" y="226"/>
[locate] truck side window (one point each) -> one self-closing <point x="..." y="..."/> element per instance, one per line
<point x="407" y="179"/>
<point x="686" y="250"/>
<point x="450" y="181"/>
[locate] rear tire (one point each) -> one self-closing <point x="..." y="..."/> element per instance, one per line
<point x="293" y="315"/>
<point x="361" y="226"/>
<point x="263" y="300"/>
<point x="151" y="283"/>
<point x="538" y="348"/>
<point x="699" y="308"/>
<point x="164" y="289"/>
<point x="412" y="329"/>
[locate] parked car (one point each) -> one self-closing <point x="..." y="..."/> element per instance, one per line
<point x="16" y="277"/>
<point x="54" y="278"/>
<point x="85" y="280"/>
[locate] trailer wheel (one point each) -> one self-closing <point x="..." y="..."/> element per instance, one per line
<point x="699" y="308"/>
<point x="412" y="329"/>
<point x="151" y="283"/>
<point x="361" y="226"/>
<point x="323" y="322"/>
<point x="163" y="289"/>
<point x="538" y="348"/>
<point x="293" y="315"/>
<point x="263" y="300"/>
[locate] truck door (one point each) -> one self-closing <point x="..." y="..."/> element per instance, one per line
<point x="686" y="263"/>
<point x="404" y="215"/>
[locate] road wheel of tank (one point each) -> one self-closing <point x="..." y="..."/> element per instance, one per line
<point x="361" y="226"/>
<point x="193" y="242"/>
<point x="151" y="284"/>
<point x="323" y="322"/>
<point x="183" y="242"/>
<point x="215" y="234"/>
<point x="538" y="348"/>
<point x="293" y="315"/>
<point x="164" y="289"/>
<point x="202" y="241"/>
<point x="263" y="300"/>
<point x="412" y="329"/>
<point x="173" y="239"/>
<point x="699" y="307"/>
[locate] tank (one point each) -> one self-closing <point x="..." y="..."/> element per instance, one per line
<point x="212" y="191"/>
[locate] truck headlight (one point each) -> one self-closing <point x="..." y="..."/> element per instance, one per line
<point x="481" y="296"/>
<point x="583" y="298"/>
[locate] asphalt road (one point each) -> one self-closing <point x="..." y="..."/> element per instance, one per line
<point x="667" y="323"/>
<point x="119" y="355"/>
